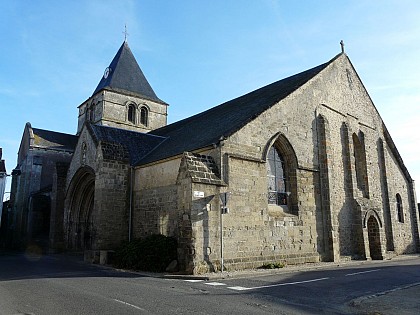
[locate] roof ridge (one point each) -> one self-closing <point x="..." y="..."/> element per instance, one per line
<point x="127" y="130"/>
<point x="52" y="131"/>
<point x="248" y="94"/>
<point x="228" y="117"/>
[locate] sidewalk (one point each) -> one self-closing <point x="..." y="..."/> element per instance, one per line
<point x="287" y="269"/>
<point x="401" y="301"/>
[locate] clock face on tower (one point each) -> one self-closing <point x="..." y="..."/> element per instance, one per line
<point x="107" y="72"/>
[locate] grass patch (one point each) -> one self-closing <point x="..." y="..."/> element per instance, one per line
<point x="275" y="265"/>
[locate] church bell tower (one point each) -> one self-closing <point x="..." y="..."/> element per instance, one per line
<point x="124" y="98"/>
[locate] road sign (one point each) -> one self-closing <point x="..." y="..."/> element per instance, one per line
<point x="224" y="198"/>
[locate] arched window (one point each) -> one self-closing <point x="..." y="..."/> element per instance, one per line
<point x="276" y="177"/>
<point x="400" y="214"/>
<point x="131" y="116"/>
<point x="143" y="116"/>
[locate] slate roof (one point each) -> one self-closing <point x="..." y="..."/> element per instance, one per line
<point x="206" y="128"/>
<point x="54" y="140"/>
<point x="202" y="169"/>
<point x="126" y="75"/>
<point x="138" y="144"/>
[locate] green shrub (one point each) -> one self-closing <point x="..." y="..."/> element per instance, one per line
<point x="152" y="253"/>
<point x="275" y="265"/>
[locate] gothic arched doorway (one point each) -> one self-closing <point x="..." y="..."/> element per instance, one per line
<point x="374" y="238"/>
<point x="80" y="202"/>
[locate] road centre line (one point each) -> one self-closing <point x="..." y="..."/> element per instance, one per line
<point x="194" y="280"/>
<point x="134" y="306"/>
<point x="215" y="283"/>
<point x="358" y="273"/>
<point x="276" y="285"/>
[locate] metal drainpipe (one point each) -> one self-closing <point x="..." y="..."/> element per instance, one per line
<point x="220" y="209"/>
<point x="130" y="215"/>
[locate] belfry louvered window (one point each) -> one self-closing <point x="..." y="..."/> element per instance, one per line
<point x="143" y="116"/>
<point x="131" y="116"/>
<point x="276" y="178"/>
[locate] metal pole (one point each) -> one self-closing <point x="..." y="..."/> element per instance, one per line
<point x="221" y="238"/>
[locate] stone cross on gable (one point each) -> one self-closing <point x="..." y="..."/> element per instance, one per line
<point x="342" y="46"/>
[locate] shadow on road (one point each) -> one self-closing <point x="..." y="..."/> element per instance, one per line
<point x="386" y="287"/>
<point x="35" y="265"/>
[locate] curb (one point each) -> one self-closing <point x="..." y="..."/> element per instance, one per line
<point x="287" y="269"/>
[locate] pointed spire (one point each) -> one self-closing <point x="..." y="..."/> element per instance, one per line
<point x="124" y="74"/>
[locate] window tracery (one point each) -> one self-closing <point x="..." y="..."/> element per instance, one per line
<point x="276" y="178"/>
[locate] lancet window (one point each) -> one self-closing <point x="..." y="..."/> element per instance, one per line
<point x="276" y="177"/>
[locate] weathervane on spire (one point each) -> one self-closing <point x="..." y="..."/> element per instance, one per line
<point x="125" y="32"/>
<point x="342" y="46"/>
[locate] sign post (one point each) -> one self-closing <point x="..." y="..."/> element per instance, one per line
<point x="224" y="200"/>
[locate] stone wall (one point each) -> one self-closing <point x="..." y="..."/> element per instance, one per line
<point x="155" y="194"/>
<point x="58" y="195"/>
<point x="37" y="174"/>
<point x="255" y="232"/>
<point x="111" y="207"/>
<point x="397" y="184"/>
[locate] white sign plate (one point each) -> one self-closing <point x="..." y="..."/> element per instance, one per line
<point x="198" y="194"/>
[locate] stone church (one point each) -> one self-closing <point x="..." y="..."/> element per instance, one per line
<point x="301" y="170"/>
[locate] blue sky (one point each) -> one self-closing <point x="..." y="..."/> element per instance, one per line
<point x="198" y="54"/>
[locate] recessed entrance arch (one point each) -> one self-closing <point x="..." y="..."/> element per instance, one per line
<point x="80" y="204"/>
<point x="374" y="238"/>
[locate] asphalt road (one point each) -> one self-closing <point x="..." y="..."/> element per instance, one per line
<point x="60" y="284"/>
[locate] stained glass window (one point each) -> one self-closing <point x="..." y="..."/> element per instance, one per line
<point x="276" y="178"/>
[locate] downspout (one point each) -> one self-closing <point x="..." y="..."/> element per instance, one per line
<point x="220" y="145"/>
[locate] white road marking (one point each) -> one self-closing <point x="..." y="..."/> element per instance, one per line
<point x="215" y="283"/>
<point x="194" y="280"/>
<point x="276" y="285"/>
<point x="134" y="306"/>
<point x="238" y="288"/>
<point x="358" y="273"/>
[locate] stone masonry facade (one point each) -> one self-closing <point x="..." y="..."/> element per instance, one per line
<point x="343" y="186"/>
<point x="300" y="171"/>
